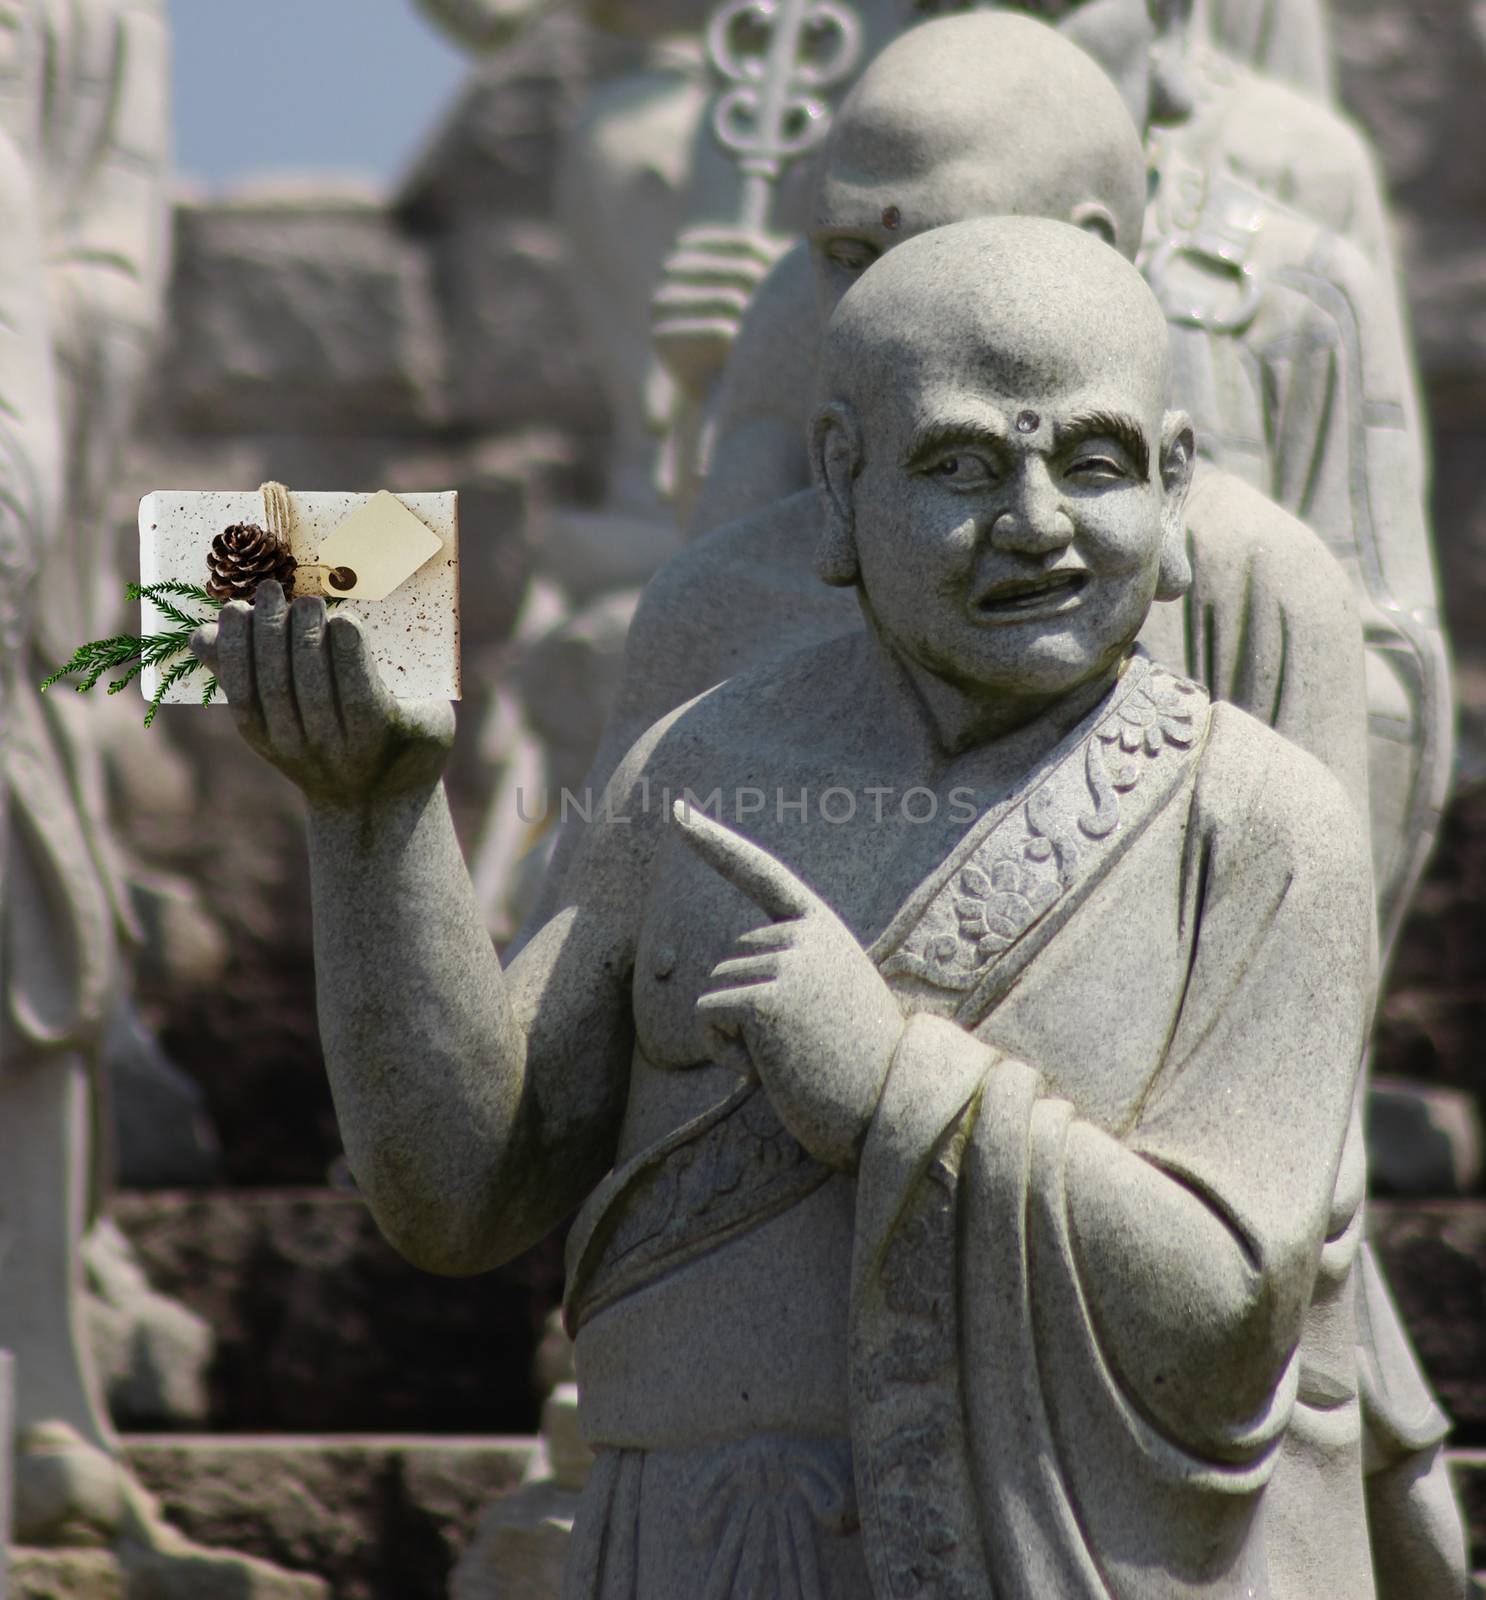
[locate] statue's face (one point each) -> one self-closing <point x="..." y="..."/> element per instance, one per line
<point x="1009" y="531"/>
<point x="868" y="201"/>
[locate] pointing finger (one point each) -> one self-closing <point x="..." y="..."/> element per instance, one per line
<point x="743" y="972"/>
<point x="767" y="882"/>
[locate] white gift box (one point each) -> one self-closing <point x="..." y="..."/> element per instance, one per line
<point x="413" y="633"/>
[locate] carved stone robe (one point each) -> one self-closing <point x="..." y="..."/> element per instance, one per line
<point x="1102" y="1324"/>
<point x="86" y="109"/>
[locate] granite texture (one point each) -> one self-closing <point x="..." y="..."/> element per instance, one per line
<point x="1265" y="242"/>
<point x="1005" y="493"/>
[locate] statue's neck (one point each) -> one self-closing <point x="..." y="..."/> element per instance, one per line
<point x="952" y="722"/>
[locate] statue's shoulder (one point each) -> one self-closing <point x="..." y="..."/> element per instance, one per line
<point x="1236" y="529"/>
<point x="706" y="588"/>
<point x="788" y="702"/>
<point x="1291" y="145"/>
<point x="1258" y="794"/>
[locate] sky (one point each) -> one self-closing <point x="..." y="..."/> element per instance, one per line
<point x="333" y="85"/>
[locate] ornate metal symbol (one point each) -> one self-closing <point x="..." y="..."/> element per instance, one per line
<point x="777" y="57"/>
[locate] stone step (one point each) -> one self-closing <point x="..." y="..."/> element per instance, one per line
<point x="322" y="1328"/>
<point x="379" y="1518"/>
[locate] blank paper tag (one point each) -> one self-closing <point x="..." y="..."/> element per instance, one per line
<point x="383" y="545"/>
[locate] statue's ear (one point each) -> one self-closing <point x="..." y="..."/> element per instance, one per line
<point x="1093" y="216"/>
<point x="1178" y="457"/>
<point x="835" y="461"/>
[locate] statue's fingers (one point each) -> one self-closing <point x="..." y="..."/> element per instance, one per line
<point x="772" y="936"/>
<point x="275" y="681"/>
<point x="686" y="268"/>
<point x="740" y="972"/>
<point x="235" y="667"/>
<point x="360" y="693"/>
<point x="709" y="300"/>
<point x="204" y="647"/>
<point x="309" y="662"/>
<point x="722" y="1020"/>
<point x="730" y="241"/>
<point x="767" y="882"/>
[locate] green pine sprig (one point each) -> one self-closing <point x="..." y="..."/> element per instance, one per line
<point x="133" y="652"/>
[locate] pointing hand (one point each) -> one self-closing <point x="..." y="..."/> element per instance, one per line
<point x="799" y="1003"/>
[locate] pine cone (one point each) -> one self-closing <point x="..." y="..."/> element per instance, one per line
<point x="242" y="557"/>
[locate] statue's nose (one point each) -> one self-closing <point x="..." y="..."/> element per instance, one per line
<point x="1035" y="521"/>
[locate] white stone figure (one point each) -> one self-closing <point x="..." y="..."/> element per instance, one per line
<point x="1288" y="344"/>
<point x="978" y="1105"/>
<point x="82" y="172"/>
<point x="1285" y="39"/>
<point x="639" y="167"/>
<point x="1269" y="624"/>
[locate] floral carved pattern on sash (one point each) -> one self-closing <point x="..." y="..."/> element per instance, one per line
<point x="1074" y="818"/>
<point x="907" y="1392"/>
<point x="740" y="1170"/>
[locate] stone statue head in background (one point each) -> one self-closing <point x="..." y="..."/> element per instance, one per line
<point x="1005" y="487"/>
<point x="1139" y="43"/>
<point x="969" y="118"/>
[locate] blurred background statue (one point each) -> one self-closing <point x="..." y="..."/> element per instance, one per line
<point x="84" y="121"/>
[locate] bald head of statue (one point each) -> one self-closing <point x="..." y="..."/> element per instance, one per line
<point x="1141" y="44"/>
<point x="999" y="473"/>
<point x="990" y="114"/>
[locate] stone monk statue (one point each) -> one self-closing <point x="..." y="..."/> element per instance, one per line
<point x="1287" y="349"/>
<point x="966" y="1128"/>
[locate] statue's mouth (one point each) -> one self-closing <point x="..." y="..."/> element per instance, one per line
<point x="1017" y="598"/>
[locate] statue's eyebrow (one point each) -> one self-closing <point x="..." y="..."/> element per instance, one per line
<point x="934" y="438"/>
<point x="1125" y="431"/>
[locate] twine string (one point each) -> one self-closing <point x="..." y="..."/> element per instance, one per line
<point x="278" y="511"/>
<point x="278" y="519"/>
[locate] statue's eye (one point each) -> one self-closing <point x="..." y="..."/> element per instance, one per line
<point x="963" y="471"/>
<point x="1097" y="468"/>
<point x="854" y="255"/>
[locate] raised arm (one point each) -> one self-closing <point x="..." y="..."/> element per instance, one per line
<point x="476" y="1107"/>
